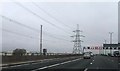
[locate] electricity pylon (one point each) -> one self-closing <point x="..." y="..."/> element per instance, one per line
<point x="77" y="49"/>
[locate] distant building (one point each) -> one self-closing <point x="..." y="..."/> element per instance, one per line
<point x="110" y="45"/>
<point x="93" y="49"/>
<point x="110" y="48"/>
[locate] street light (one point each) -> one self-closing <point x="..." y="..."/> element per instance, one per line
<point x="110" y="41"/>
<point x="110" y="37"/>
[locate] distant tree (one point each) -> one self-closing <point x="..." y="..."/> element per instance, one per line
<point x="19" y="52"/>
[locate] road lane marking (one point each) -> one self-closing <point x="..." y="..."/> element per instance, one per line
<point x="16" y="66"/>
<point x="12" y="66"/>
<point x="53" y="65"/>
<point x="93" y="60"/>
<point x="3" y="64"/>
<point x="36" y="63"/>
<point x="4" y="67"/>
<point x="86" y="69"/>
<point x="76" y="59"/>
<point x="46" y="67"/>
<point x="30" y="62"/>
<point x="26" y="63"/>
<point x="91" y="63"/>
<point x="56" y="64"/>
<point x="42" y="68"/>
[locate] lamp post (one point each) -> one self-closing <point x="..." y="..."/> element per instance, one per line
<point x="110" y="41"/>
<point x="110" y="37"/>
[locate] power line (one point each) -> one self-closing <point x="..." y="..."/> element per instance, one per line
<point x="111" y="33"/>
<point x="18" y="33"/>
<point x="55" y="37"/>
<point x="77" y="49"/>
<point x="51" y="15"/>
<point x="28" y="36"/>
<point x="55" y="34"/>
<point x="36" y="30"/>
<point x="11" y="20"/>
<point x="39" y="16"/>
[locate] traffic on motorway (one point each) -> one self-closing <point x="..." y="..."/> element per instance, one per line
<point x="59" y="35"/>
<point x="85" y="62"/>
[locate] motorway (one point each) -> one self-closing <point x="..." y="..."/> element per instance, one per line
<point x="96" y="63"/>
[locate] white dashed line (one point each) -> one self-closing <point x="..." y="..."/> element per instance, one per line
<point x="93" y="60"/>
<point x="91" y="63"/>
<point x="86" y="69"/>
<point x="42" y="68"/>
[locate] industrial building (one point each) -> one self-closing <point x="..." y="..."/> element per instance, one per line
<point x="110" y="48"/>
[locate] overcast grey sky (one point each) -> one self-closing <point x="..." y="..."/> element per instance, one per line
<point x="95" y="19"/>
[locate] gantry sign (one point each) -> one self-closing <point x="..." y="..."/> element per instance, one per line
<point x="111" y="46"/>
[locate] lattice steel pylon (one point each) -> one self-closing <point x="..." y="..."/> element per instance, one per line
<point x="77" y="49"/>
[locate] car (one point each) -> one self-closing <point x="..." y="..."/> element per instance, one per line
<point x="86" y="56"/>
<point x="116" y="53"/>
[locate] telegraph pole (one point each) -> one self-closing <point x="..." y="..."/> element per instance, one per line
<point x="110" y="37"/>
<point x="77" y="49"/>
<point x="110" y="41"/>
<point x="41" y="40"/>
